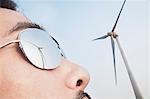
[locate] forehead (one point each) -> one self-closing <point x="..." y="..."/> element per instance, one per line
<point x="8" y="19"/>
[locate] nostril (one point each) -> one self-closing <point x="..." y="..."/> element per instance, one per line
<point x="79" y="82"/>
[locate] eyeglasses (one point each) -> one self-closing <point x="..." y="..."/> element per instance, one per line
<point x="39" y="47"/>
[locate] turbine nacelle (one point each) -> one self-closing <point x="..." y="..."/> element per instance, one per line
<point x="109" y="34"/>
<point x="112" y="34"/>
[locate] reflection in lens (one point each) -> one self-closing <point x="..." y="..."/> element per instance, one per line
<point x="42" y="56"/>
<point x="32" y="53"/>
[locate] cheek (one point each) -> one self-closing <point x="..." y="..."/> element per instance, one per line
<point x="25" y="78"/>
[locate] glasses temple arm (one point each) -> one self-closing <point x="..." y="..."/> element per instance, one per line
<point x="8" y="43"/>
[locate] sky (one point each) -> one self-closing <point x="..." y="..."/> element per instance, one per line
<point x="74" y="23"/>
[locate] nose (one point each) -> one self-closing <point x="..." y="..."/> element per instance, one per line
<point x="76" y="76"/>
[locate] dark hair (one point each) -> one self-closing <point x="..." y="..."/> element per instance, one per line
<point x="8" y="4"/>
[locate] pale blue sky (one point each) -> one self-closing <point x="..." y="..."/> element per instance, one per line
<point x="74" y="23"/>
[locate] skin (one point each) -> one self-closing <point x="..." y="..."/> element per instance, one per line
<point x="21" y="80"/>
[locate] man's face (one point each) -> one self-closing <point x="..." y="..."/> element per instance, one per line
<point x="21" y="80"/>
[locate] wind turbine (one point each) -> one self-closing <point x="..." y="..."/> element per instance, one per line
<point x="113" y="36"/>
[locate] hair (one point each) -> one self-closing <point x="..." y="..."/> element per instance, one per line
<point x="8" y="4"/>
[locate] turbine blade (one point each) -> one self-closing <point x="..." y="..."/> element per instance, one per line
<point x="103" y="37"/>
<point x="114" y="58"/>
<point x="118" y="16"/>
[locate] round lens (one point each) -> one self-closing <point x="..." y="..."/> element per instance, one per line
<point x="40" y="49"/>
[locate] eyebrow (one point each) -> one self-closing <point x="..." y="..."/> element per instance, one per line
<point x="25" y="25"/>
